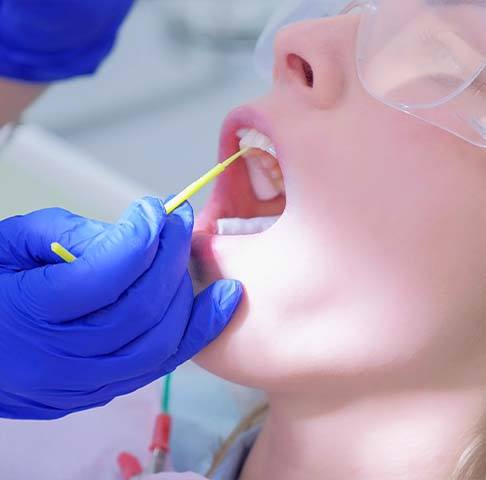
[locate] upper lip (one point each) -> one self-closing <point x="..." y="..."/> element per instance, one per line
<point x="242" y="117"/>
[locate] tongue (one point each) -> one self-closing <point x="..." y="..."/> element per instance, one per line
<point x="244" y="226"/>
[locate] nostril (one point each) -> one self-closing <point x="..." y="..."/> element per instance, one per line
<point x="309" y="74"/>
<point x="301" y="68"/>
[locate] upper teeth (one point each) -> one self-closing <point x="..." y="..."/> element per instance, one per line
<point x="254" y="139"/>
<point x="263" y="168"/>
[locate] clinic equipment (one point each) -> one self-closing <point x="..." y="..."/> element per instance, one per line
<point x="162" y="430"/>
<point x="426" y="58"/>
<point x="173" y="203"/>
<point x="129" y="465"/>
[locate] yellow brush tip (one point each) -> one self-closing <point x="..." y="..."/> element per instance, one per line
<point x="62" y="253"/>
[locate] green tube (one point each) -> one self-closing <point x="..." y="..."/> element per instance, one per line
<point x="166" y="394"/>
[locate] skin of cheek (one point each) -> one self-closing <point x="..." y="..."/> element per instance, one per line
<point x="378" y="266"/>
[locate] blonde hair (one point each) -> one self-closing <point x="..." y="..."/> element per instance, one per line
<point x="471" y="464"/>
<point x="255" y="418"/>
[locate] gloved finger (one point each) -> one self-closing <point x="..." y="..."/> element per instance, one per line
<point x="26" y="240"/>
<point x="76" y="400"/>
<point x="211" y="313"/>
<point x="140" y="308"/>
<point x="123" y="371"/>
<point x="145" y="361"/>
<point x="18" y="407"/>
<point x="58" y="293"/>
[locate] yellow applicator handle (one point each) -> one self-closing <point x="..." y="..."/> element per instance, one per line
<point x="172" y="204"/>
<point x="62" y="252"/>
<point x="208" y="177"/>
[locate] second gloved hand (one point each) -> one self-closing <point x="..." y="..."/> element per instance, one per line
<point x="75" y="336"/>
<point x="43" y="41"/>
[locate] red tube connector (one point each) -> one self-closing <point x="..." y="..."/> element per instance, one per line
<point x="130" y="467"/>
<point x="161" y="435"/>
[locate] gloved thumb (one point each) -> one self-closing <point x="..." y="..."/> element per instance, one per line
<point x="108" y="266"/>
<point x="211" y="313"/>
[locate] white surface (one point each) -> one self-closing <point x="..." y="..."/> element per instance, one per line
<point x="40" y="170"/>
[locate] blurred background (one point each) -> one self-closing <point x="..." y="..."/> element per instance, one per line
<point x="147" y="123"/>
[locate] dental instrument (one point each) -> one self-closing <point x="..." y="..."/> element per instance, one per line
<point x="201" y="182"/>
<point x="129" y="465"/>
<point x="173" y="203"/>
<point x="162" y="430"/>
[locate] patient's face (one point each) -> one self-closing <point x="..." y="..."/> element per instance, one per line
<point x="377" y="266"/>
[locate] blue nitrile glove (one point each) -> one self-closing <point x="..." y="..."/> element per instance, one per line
<point x="47" y="40"/>
<point x="75" y="336"/>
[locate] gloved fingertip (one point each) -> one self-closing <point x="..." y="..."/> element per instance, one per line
<point x="184" y="213"/>
<point x="230" y="293"/>
<point x="145" y="212"/>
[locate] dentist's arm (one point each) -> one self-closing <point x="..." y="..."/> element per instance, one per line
<point x="15" y="97"/>
<point x="49" y="40"/>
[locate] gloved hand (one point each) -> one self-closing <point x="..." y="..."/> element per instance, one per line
<point x="75" y="336"/>
<point x="43" y="41"/>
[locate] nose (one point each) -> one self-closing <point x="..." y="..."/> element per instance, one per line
<point x="313" y="59"/>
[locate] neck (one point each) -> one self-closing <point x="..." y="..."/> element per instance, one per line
<point x="416" y="435"/>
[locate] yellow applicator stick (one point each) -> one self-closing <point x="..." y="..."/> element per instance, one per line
<point x="208" y="177"/>
<point x="175" y="202"/>
<point x="61" y="252"/>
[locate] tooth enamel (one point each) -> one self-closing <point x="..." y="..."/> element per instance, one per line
<point x="266" y="185"/>
<point x="271" y="150"/>
<point x="269" y="162"/>
<point x="263" y="185"/>
<point x="276" y="173"/>
<point x="242" y="132"/>
<point x="255" y="139"/>
<point x="280" y="184"/>
<point x="244" y="226"/>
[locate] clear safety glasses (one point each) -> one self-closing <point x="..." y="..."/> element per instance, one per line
<point x="423" y="57"/>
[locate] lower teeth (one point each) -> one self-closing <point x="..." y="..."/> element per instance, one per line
<point x="244" y="226"/>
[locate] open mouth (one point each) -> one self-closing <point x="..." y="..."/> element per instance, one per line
<point x="250" y="197"/>
<point x="266" y="180"/>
